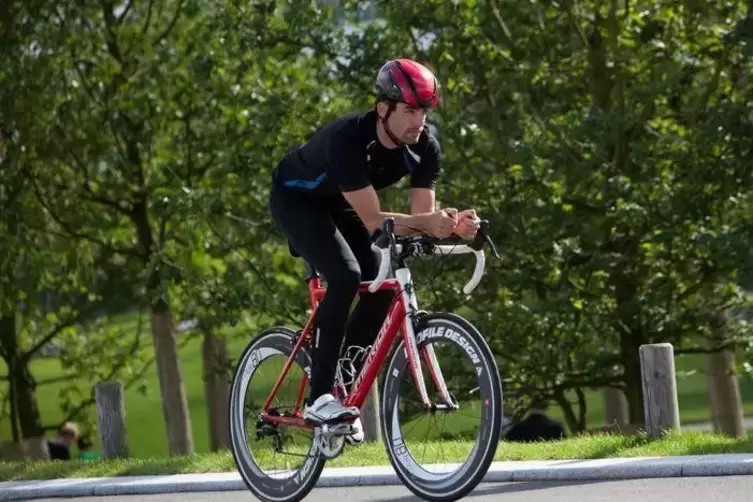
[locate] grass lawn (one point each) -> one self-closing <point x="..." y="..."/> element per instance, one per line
<point x="146" y="429"/>
<point x="691" y="392"/>
<point x="583" y="447"/>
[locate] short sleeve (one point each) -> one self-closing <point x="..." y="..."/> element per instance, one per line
<point x="346" y="162"/>
<point x="428" y="170"/>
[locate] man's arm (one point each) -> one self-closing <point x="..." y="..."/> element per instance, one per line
<point x="422" y="201"/>
<point x="366" y="205"/>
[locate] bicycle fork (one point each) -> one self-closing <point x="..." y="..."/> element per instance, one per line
<point x="411" y="342"/>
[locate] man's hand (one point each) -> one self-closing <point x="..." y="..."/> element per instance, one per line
<point x="443" y="223"/>
<point x="467" y="224"/>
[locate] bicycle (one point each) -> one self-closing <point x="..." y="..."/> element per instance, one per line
<point x="420" y="330"/>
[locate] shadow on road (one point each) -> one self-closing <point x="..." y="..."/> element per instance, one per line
<point x="486" y="489"/>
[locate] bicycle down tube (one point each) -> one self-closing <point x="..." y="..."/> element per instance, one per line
<point x="385" y="339"/>
<point x="396" y="320"/>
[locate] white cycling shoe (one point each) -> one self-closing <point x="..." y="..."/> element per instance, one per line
<point x="328" y="409"/>
<point x="357" y="436"/>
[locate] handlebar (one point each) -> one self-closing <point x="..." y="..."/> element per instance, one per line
<point x="390" y="246"/>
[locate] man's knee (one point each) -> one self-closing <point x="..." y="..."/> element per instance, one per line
<point x="344" y="281"/>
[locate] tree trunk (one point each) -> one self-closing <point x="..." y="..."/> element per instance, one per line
<point x="633" y="383"/>
<point x="722" y="384"/>
<point x="8" y="351"/>
<point x="26" y="403"/>
<point x="615" y="407"/>
<point x="370" y="416"/>
<point x="216" y="387"/>
<point x="626" y="280"/>
<point x="172" y="390"/>
<point x="725" y="402"/>
<point x="571" y="420"/>
<point x="24" y="412"/>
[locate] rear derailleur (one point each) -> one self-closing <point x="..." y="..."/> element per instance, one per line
<point x="266" y="429"/>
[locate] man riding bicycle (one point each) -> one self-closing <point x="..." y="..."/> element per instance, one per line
<point x="324" y="199"/>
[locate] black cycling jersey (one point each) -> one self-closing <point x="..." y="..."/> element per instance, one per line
<point x="346" y="155"/>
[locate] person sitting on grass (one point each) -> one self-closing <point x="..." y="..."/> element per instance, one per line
<point x="60" y="445"/>
<point x="85" y="446"/>
<point x="537" y="426"/>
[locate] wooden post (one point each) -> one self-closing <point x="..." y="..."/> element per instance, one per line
<point x="659" y="388"/>
<point x="111" y="419"/>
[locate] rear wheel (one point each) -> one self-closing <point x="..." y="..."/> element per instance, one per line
<point x="277" y="463"/>
<point x="466" y="437"/>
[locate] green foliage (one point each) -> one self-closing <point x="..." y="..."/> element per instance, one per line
<point x="605" y="142"/>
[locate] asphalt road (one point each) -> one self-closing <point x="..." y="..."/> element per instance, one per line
<point x="689" y="489"/>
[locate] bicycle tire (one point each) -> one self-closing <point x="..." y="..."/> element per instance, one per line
<point x="279" y="340"/>
<point x="413" y="476"/>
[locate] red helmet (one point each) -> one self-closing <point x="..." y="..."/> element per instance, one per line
<point x="409" y="82"/>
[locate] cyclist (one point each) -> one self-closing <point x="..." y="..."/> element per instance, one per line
<point x="323" y="198"/>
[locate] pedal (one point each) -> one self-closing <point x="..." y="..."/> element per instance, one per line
<point x="331" y="423"/>
<point x="337" y="429"/>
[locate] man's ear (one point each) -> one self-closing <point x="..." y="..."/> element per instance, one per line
<point x="382" y="109"/>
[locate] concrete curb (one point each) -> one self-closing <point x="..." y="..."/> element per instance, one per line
<point x="533" y="470"/>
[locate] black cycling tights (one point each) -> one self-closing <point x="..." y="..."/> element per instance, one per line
<point x="329" y="235"/>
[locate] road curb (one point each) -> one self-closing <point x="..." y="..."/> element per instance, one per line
<point x="530" y="470"/>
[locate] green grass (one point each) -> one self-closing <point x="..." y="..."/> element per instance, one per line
<point x="146" y="430"/>
<point x="691" y="394"/>
<point x="147" y="434"/>
<point x="582" y="447"/>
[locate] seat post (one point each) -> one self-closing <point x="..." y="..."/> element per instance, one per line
<point x="311" y="272"/>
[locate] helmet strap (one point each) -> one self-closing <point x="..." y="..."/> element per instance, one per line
<point x="387" y="127"/>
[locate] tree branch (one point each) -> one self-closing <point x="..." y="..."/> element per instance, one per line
<point x="48" y="381"/>
<point x="125" y="12"/>
<point x="86" y="185"/>
<point x="702" y="350"/>
<point x="127" y="251"/>
<point x="172" y="23"/>
<point x="148" y="17"/>
<point x="110" y="21"/>
<point x="501" y="22"/>
<point x="26" y="357"/>
<point x="574" y="382"/>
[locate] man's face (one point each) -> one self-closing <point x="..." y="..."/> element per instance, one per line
<point x="69" y="438"/>
<point x="407" y="122"/>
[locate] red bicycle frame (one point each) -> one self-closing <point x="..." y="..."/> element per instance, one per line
<point x="395" y="321"/>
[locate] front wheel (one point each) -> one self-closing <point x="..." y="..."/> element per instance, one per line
<point x="469" y="434"/>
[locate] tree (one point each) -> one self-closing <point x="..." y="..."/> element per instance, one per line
<point x="47" y="284"/>
<point x="113" y="120"/>
<point x="585" y="133"/>
<point x="148" y="149"/>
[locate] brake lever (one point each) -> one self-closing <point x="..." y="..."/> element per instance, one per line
<point x="482" y="237"/>
<point x="389" y="228"/>
<point x="491" y="245"/>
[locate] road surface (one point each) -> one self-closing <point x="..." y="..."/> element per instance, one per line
<point x="708" y="489"/>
